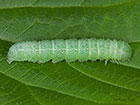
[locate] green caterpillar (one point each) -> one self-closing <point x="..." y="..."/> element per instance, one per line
<point x="69" y="50"/>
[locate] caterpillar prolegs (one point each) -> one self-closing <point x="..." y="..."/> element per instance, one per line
<point x="69" y="50"/>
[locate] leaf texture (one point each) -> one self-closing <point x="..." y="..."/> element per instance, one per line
<point x="87" y="83"/>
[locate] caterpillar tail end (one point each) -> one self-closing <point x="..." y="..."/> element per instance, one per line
<point x="106" y="62"/>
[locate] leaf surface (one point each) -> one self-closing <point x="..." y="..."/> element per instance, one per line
<point x="87" y="83"/>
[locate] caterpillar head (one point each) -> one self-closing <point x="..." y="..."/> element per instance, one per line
<point x="126" y="52"/>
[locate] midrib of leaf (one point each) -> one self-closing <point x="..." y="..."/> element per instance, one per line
<point x="129" y="65"/>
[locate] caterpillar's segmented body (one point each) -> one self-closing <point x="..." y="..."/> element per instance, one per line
<point x="69" y="50"/>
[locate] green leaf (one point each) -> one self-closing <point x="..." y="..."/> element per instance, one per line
<point x="60" y="3"/>
<point x="14" y="93"/>
<point x="119" y="22"/>
<point x="88" y="83"/>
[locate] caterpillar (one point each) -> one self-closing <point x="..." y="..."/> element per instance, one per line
<point x="69" y="50"/>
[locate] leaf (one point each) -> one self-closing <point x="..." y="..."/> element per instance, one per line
<point x="48" y="97"/>
<point x="14" y="93"/>
<point x="88" y="83"/>
<point x="114" y="22"/>
<point x="61" y="3"/>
